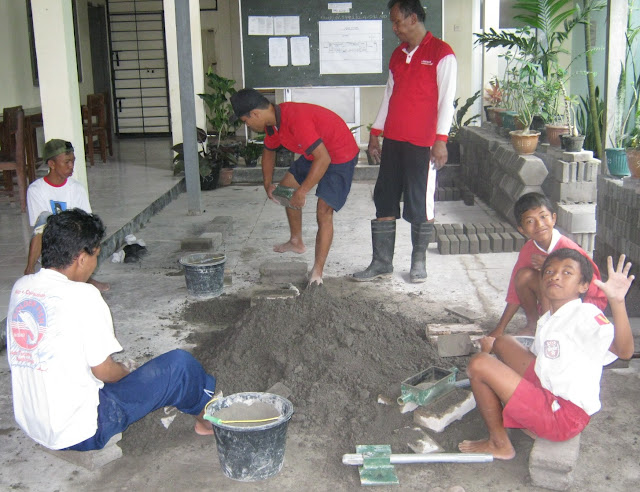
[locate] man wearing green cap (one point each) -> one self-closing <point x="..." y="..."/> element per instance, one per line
<point x="55" y="192"/>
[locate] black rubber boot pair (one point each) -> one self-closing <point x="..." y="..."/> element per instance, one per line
<point x="420" y="236"/>
<point x="383" y="238"/>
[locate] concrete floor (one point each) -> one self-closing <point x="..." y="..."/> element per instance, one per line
<point x="145" y="297"/>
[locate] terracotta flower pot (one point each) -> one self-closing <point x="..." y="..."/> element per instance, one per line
<point x="524" y="143"/>
<point x="226" y="175"/>
<point x="633" y="161"/>
<point x="554" y="132"/>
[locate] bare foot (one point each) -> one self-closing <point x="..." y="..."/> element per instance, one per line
<point x="503" y="451"/>
<point x="290" y="247"/>
<point x="203" y="428"/>
<point x="315" y="279"/>
<point x="101" y="286"/>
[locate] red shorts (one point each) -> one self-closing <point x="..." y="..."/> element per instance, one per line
<point x="530" y="407"/>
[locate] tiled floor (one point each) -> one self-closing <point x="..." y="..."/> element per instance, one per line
<point x="137" y="174"/>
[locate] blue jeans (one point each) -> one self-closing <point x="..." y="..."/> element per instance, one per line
<point x="172" y="379"/>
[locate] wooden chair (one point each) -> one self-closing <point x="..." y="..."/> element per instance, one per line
<point x="94" y="124"/>
<point x="12" y="156"/>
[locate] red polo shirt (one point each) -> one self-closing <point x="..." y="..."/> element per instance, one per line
<point x="301" y="127"/>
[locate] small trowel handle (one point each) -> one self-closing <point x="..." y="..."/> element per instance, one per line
<point x="397" y="459"/>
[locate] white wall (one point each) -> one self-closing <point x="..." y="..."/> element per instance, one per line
<point x="16" y="79"/>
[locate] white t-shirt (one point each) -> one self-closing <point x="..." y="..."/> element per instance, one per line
<point x="57" y="330"/>
<point x="571" y="346"/>
<point x="44" y="197"/>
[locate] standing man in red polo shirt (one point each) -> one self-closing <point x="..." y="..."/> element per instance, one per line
<point x="416" y="115"/>
<point x="329" y="154"/>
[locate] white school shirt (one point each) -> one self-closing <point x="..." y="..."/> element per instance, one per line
<point x="571" y="346"/>
<point x="57" y="329"/>
<point x="44" y="197"/>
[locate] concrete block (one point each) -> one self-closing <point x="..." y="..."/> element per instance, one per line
<point x="456" y="194"/>
<point x="454" y="345"/>
<point x="468" y="198"/>
<point x="551" y="464"/>
<point x="446" y="409"/>
<point x="518" y="240"/>
<point x="480" y="228"/>
<point x="437" y="329"/>
<point x="497" y="227"/>
<point x="454" y="244"/>
<point x="91" y="460"/>
<point x="457" y="228"/>
<point x="507" y="242"/>
<point x="474" y="244"/>
<point x="438" y="231"/>
<point x="530" y="170"/>
<point x="221" y="223"/>
<point x="274" y="295"/>
<point x="448" y="193"/>
<point x="464" y="244"/>
<point x="280" y="389"/>
<point x="485" y="246"/>
<point x="444" y="245"/>
<point x="576" y="218"/>
<point x="275" y="272"/>
<point x="216" y="238"/>
<point x="448" y="229"/>
<point x="583" y="155"/>
<point x="463" y="312"/>
<point x="440" y="194"/>
<point x="468" y="229"/>
<point x="196" y="244"/>
<point x="495" y="240"/>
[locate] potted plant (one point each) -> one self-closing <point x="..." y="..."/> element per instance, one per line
<point x="493" y="96"/>
<point x="572" y="141"/>
<point x="453" y="145"/>
<point x="223" y="149"/>
<point x="252" y="152"/>
<point x="525" y="141"/>
<point x="633" y="149"/>
<point x="209" y="167"/>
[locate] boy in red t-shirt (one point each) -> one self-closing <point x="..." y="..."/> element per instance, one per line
<point x="536" y="220"/>
<point x="329" y="154"/>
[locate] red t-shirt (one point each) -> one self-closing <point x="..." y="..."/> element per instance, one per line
<point x="301" y="127"/>
<point x="413" y="107"/>
<point x="593" y="296"/>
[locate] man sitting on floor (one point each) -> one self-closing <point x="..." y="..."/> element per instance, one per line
<point x="68" y="393"/>
<point x="55" y="192"/>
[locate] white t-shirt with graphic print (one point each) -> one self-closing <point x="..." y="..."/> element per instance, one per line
<point x="44" y="197"/>
<point x="571" y="346"/>
<point x="57" y="329"/>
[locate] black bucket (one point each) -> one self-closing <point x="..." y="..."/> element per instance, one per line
<point x="204" y="273"/>
<point x="250" y="453"/>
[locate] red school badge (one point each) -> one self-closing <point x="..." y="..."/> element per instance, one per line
<point x="552" y="349"/>
<point x="601" y="319"/>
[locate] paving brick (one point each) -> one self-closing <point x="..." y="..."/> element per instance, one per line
<point x="480" y="228"/>
<point x="454" y="244"/>
<point x="457" y="228"/>
<point x="474" y="244"/>
<point x="196" y="244"/>
<point x="464" y="244"/>
<point x="448" y="193"/>
<point x="277" y="272"/>
<point x="497" y="227"/>
<point x="221" y="223"/>
<point x="91" y="460"/>
<point x="468" y="228"/>
<point x="551" y="464"/>
<point x="468" y="197"/>
<point x="454" y="345"/>
<point x="450" y="407"/>
<point x="444" y="245"/>
<point x="507" y="242"/>
<point x="438" y="230"/>
<point x="448" y="229"/>
<point x="518" y="240"/>
<point x="485" y="245"/>
<point x="440" y="194"/>
<point x="495" y="240"/>
<point x="273" y="294"/>
<point x="216" y="238"/>
<point x="456" y="194"/>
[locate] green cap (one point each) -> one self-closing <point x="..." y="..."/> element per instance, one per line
<point x="55" y="147"/>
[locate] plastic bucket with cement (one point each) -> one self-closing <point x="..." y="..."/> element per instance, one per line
<point x="204" y="273"/>
<point x="250" y="451"/>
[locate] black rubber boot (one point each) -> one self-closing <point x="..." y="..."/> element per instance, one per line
<point x="383" y="238"/>
<point x="420" y="236"/>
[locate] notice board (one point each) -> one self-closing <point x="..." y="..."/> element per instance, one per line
<point x="303" y="43"/>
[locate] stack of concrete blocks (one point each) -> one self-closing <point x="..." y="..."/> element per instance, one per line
<point x="551" y="464"/>
<point x="495" y="237"/>
<point x="449" y="183"/>
<point x="571" y="187"/>
<point x="496" y="173"/>
<point x="618" y="216"/>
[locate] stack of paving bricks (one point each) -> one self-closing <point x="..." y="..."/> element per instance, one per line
<point x="497" y="237"/>
<point x="495" y="172"/>
<point x="618" y="216"/>
<point x="449" y="184"/>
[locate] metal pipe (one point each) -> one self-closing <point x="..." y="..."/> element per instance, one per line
<point x="396" y="459"/>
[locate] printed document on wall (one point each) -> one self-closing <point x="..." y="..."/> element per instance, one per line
<point x="278" y="52"/>
<point x="300" y="55"/>
<point x="350" y="46"/>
